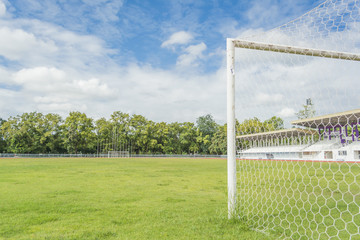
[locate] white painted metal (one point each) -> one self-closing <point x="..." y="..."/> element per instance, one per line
<point x="295" y="50"/>
<point x="231" y="150"/>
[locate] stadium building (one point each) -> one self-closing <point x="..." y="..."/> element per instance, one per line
<point x="328" y="137"/>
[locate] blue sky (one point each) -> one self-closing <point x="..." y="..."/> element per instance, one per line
<point x="162" y="59"/>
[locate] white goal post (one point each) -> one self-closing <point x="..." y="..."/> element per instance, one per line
<point x="231" y="133"/>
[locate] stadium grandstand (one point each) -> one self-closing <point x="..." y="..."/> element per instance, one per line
<point x="328" y="137"/>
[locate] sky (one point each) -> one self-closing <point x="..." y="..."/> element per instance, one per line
<point x="163" y="59"/>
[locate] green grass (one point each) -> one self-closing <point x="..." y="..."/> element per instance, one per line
<point x="301" y="200"/>
<point x="116" y="199"/>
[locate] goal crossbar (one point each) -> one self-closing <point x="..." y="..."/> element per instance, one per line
<point x="230" y="52"/>
<point x="295" y="50"/>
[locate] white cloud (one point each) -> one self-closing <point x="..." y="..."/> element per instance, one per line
<point x="164" y="95"/>
<point x="261" y="12"/>
<point x="56" y="70"/>
<point x="264" y="98"/>
<point x="286" y="113"/>
<point x="193" y="53"/>
<point x="11" y="103"/>
<point x="41" y="79"/>
<point x="2" y="9"/>
<point x="49" y="87"/>
<point x="32" y="43"/>
<point x="290" y="80"/>
<point x="16" y="44"/>
<point x="62" y="108"/>
<point x="5" y="76"/>
<point x="180" y="38"/>
<point x="60" y="71"/>
<point x="106" y="10"/>
<point x="196" y="49"/>
<point x="160" y="95"/>
<point x="51" y="81"/>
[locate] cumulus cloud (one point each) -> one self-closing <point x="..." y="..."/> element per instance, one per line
<point x="40" y="79"/>
<point x="264" y="98"/>
<point x="180" y="38"/>
<point x="5" y="76"/>
<point x="264" y="12"/>
<point x="57" y="70"/>
<point x="164" y="95"/>
<point x="44" y="80"/>
<point x="17" y="44"/>
<point x="105" y="10"/>
<point x="50" y="87"/>
<point x="287" y="112"/>
<point x="60" y="68"/>
<point x="192" y="53"/>
<point x="158" y="94"/>
<point x="2" y="9"/>
<point x="31" y="43"/>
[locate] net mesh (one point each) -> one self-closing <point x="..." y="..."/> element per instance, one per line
<point x="298" y="173"/>
<point x="301" y="199"/>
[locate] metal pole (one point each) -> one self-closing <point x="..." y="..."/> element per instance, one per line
<point x="231" y="152"/>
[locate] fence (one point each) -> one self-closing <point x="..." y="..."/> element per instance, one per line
<point x="104" y="155"/>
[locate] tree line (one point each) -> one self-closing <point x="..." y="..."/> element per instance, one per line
<point x="35" y="132"/>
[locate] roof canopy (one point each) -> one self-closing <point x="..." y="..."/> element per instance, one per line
<point x="330" y="120"/>
<point x="292" y="132"/>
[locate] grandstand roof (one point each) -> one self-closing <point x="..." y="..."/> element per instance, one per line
<point x="276" y="134"/>
<point x="275" y="149"/>
<point x="323" y="145"/>
<point x="341" y="118"/>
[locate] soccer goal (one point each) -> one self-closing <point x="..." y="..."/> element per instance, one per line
<point x="118" y="154"/>
<point x="293" y="140"/>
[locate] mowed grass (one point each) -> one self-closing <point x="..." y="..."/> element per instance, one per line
<point x="134" y="198"/>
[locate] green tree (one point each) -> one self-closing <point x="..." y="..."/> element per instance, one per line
<point x="254" y="125"/>
<point x="51" y="129"/>
<point x="78" y="133"/>
<point x="274" y="123"/>
<point x="187" y="138"/>
<point x="172" y="145"/>
<point x="113" y="134"/>
<point x="181" y="138"/>
<point x="207" y="125"/>
<point x="250" y="126"/>
<point x="219" y="141"/>
<point x="308" y="110"/>
<point x="120" y="123"/>
<point x="158" y="134"/>
<point x="103" y="130"/>
<point x="2" y="140"/>
<point x="207" y="128"/>
<point x="38" y="133"/>
<point x="139" y="133"/>
<point x="25" y="133"/>
<point x="203" y="142"/>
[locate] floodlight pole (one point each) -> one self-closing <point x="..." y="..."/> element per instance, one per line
<point x="231" y="150"/>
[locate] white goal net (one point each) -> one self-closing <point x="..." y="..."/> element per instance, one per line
<point x="296" y="133"/>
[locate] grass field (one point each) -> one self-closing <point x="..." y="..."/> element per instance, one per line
<point x="116" y="199"/>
